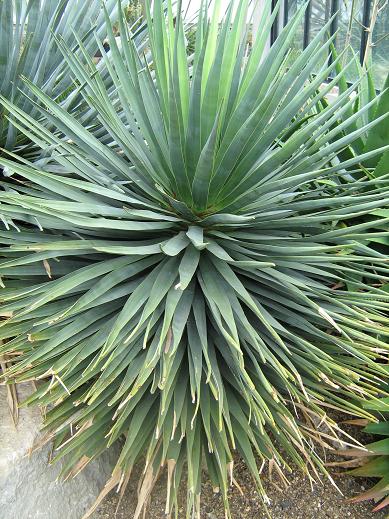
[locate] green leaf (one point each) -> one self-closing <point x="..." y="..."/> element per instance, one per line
<point x="378" y="136"/>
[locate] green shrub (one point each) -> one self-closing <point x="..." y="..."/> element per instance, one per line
<point x="183" y="287"/>
<point x="374" y="459"/>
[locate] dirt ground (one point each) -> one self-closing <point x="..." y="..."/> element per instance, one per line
<point x="298" y="501"/>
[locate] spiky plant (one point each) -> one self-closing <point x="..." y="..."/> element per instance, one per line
<point x="28" y="49"/>
<point x="28" y="30"/>
<point x="185" y="292"/>
<point x="376" y="137"/>
<point x="373" y="461"/>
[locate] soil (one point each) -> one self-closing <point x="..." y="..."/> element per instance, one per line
<point x="298" y="501"/>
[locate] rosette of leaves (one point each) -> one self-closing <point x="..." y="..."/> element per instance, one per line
<point x="182" y="289"/>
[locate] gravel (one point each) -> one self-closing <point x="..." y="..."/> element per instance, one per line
<point x="298" y="501"/>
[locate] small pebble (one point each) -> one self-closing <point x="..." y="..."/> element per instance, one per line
<point x="295" y="502"/>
